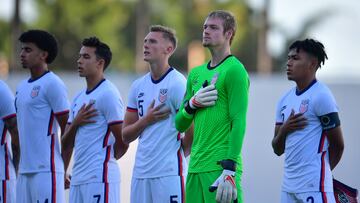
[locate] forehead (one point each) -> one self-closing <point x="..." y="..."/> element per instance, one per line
<point x="214" y="21"/>
<point x="298" y="52"/>
<point x="154" y="35"/>
<point x="29" y="45"/>
<point x="87" y="50"/>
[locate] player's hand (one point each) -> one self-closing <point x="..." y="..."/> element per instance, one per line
<point x="294" y="122"/>
<point x="204" y="97"/>
<point x="67" y="181"/>
<point x="155" y="114"/>
<point x="84" y="115"/>
<point x="225" y="183"/>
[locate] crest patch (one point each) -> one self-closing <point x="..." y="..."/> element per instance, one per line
<point x="304" y="106"/>
<point x="35" y="91"/>
<point x="163" y="95"/>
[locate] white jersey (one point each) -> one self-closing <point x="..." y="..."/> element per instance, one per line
<point x="94" y="160"/>
<point x="37" y="102"/>
<point x="7" y="110"/>
<point x="307" y="167"/>
<point x="159" y="150"/>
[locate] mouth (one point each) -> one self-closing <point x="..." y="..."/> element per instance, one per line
<point x="146" y="53"/>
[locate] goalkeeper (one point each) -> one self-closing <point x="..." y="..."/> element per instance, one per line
<point x="216" y="100"/>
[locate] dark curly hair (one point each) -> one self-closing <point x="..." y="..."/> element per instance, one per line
<point x="312" y="47"/>
<point x="43" y="40"/>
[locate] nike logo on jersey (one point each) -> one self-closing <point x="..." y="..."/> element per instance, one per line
<point x="141" y="94"/>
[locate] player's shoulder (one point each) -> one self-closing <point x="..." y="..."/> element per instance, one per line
<point x="140" y="81"/>
<point x="176" y="76"/>
<point x="3" y="86"/>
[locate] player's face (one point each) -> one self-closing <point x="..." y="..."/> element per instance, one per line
<point x="31" y="56"/>
<point x="156" y="47"/>
<point x="213" y="32"/>
<point x="298" y="65"/>
<point x="88" y="63"/>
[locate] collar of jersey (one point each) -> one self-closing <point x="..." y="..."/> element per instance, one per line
<point x="162" y="77"/>
<point x="32" y="80"/>
<point x="89" y="91"/>
<point x="210" y="68"/>
<point x="298" y="93"/>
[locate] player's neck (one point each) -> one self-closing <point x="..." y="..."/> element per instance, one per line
<point x="158" y="69"/>
<point x="218" y="54"/>
<point x="38" y="71"/>
<point x="93" y="81"/>
<point x="304" y="83"/>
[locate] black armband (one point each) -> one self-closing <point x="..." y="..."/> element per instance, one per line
<point x="228" y="164"/>
<point x="188" y="109"/>
<point x="329" y="121"/>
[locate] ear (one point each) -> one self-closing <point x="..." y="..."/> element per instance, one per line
<point x="101" y="63"/>
<point x="169" y="50"/>
<point x="229" y="34"/>
<point x="44" y="55"/>
<point x="314" y="63"/>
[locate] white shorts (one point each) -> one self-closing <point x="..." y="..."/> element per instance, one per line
<point x="95" y="193"/>
<point x="40" y="187"/>
<point x="158" y="190"/>
<point x="8" y="191"/>
<point x="308" y="197"/>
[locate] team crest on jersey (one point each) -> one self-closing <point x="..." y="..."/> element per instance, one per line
<point x="304" y="106"/>
<point x="163" y="95"/>
<point x="35" y="91"/>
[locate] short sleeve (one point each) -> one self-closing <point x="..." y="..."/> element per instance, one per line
<point x="7" y="107"/>
<point x="178" y="92"/>
<point x="112" y="107"/>
<point x="325" y="103"/>
<point x="57" y="97"/>
<point x="132" y="105"/>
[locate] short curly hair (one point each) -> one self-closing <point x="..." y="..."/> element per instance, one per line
<point x="43" y="40"/>
<point x="312" y="47"/>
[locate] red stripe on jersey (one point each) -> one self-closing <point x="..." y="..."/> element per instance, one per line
<point x="129" y="109"/>
<point x="7" y="171"/>
<point x="106" y="192"/>
<point x="115" y="122"/>
<point x="51" y="123"/>
<point x="4" y="191"/>
<point x="53" y="172"/>
<point x="106" y="138"/>
<point x="322" y="142"/>
<point x="105" y="166"/>
<point x="3" y="135"/>
<point x="61" y="112"/>
<point x="9" y="116"/>
<point x="178" y="136"/>
<point x="181" y="175"/>
<point x="322" y="173"/>
<point x="324" y="198"/>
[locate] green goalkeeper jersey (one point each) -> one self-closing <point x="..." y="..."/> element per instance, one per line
<point x="218" y="130"/>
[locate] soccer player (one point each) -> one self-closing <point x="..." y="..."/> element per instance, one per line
<point x="160" y="164"/>
<point x="9" y="145"/>
<point x="216" y="100"/>
<point x="94" y="130"/>
<point x="307" y="128"/>
<point x="41" y="107"/>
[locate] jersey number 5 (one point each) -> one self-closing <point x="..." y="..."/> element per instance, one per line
<point x="141" y="108"/>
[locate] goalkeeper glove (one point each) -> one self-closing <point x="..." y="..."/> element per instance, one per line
<point x="225" y="184"/>
<point x="204" y="97"/>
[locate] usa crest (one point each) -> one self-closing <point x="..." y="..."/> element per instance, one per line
<point x="304" y="106"/>
<point x="35" y="91"/>
<point x="163" y="95"/>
